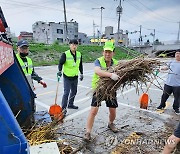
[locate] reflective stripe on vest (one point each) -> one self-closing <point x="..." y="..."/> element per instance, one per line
<point x="103" y="67"/>
<point x="70" y="67"/>
<point x="29" y="63"/>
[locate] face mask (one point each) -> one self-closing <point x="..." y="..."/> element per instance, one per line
<point x="23" y="54"/>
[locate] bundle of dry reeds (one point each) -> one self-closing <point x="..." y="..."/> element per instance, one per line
<point x="131" y="73"/>
<point x="42" y="134"/>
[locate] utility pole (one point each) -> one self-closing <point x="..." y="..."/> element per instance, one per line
<point x="119" y="12"/>
<point x="178" y="34"/>
<point x="65" y="19"/>
<point x="153" y="35"/>
<point x="101" y="8"/>
<point x="98" y="34"/>
<point x="47" y="37"/>
<point x="140" y="38"/>
<point x="94" y="33"/>
<point x="154" y="39"/>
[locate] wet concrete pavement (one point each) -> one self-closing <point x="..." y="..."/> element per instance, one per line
<point x="152" y="126"/>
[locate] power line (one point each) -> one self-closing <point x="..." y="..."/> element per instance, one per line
<point x="167" y="20"/>
<point x="140" y="10"/>
<point x="80" y="14"/>
<point x="30" y="5"/>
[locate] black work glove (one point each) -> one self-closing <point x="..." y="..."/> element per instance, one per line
<point x="59" y="74"/>
<point x="81" y="77"/>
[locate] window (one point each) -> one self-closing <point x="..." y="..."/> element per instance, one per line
<point x="60" y="40"/>
<point x="76" y="30"/>
<point x="59" y="31"/>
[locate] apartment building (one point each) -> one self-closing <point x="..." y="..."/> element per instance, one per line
<point x="51" y="32"/>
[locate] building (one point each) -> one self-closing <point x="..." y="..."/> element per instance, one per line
<point x="109" y="35"/>
<point x="83" y="39"/>
<point x="123" y="37"/>
<point x="26" y="36"/>
<point x="51" y="32"/>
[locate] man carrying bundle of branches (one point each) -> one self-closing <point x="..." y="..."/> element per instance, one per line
<point x="102" y="64"/>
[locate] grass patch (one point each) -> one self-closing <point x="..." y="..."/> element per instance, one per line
<point x="43" y="55"/>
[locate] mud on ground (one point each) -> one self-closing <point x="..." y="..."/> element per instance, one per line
<point x="139" y="133"/>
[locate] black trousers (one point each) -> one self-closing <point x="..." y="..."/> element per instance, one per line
<point x="168" y="90"/>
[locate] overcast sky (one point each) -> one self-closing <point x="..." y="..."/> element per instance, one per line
<point x="161" y="15"/>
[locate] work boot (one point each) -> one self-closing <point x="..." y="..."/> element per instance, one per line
<point x="160" y="108"/>
<point x="87" y="136"/>
<point x="177" y="111"/>
<point x="72" y="107"/>
<point x="112" y="127"/>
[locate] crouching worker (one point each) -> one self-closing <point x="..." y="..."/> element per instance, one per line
<point x="26" y="64"/>
<point x="172" y="141"/>
<point x="102" y="64"/>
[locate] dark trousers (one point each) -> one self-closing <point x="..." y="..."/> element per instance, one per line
<point x="70" y="90"/>
<point x="177" y="131"/>
<point x="168" y="90"/>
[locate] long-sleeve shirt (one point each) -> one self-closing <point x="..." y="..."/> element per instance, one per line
<point x="173" y="78"/>
<point x="34" y="75"/>
<point x="63" y="60"/>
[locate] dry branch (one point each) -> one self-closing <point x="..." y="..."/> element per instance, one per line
<point x="42" y="134"/>
<point x="131" y="73"/>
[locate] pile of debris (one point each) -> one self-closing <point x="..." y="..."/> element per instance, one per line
<point x="42" y="133"/>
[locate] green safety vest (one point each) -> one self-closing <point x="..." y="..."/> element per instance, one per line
<point x="104" y="67"/>
<point x="29" y="62"/>
<point x="70" y="67"/>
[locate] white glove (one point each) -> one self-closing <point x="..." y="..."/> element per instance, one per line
<point x="114" y="76"/>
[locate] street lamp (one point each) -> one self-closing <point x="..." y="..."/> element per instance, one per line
<point x="119" y="12"/>
<point x="101" y="8"/>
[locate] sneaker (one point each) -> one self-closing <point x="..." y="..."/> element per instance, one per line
<point x="160" y="108"/>
<point x="112" y="128"/>
<point x="87" y="136"/>
<point x="72" y="107"/>
<point x="64" y="111"/>
<point x="177" y="111"/>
